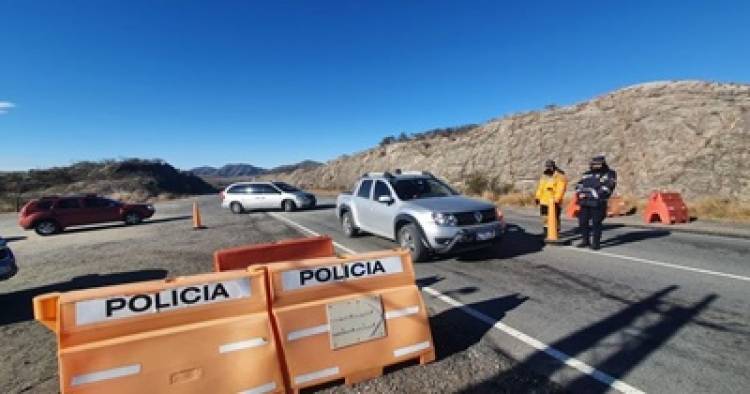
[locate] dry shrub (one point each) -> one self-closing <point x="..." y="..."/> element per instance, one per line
<point x="720" y="208"/>
<point x="516" y="199"/>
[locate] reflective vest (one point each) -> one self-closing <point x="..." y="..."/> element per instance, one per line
<point x="551" y="188"/>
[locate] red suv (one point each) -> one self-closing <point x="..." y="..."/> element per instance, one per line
<point x="50" y="215"/>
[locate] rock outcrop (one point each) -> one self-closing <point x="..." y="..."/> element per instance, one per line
<point x="688" y="136"/>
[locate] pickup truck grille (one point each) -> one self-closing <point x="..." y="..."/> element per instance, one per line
<point x="468" y="218"/>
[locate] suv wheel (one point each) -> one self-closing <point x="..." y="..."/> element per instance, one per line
<point x="410" y="239"/>
<point x="236" y="207"/>
<point x="288" y="205"/>
<point x="347" y="224"/>
<point x="47" y="227"/>
<point x="132" y="218"/>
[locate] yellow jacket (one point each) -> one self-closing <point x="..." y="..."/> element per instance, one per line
<point x="551" y="188"/>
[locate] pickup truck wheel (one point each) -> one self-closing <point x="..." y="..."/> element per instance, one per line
<point x="236" y="207"/>
<point x="132" y="218"/>
<point x="347" y="224"/>
<point x="47" y="227"/>
<point x="289" y="206"/>
<point x="410" y="239"/>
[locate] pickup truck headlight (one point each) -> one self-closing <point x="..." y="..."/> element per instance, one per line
<point x="444" y="219"/>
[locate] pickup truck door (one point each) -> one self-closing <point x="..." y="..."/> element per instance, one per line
<point x="361" y="205"/>
<point x="382" y="214"/>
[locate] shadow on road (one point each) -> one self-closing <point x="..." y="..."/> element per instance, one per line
<point x="633" y="236"/>
<point x="517" y="242"/>
<point x="618" y="239"/>
<point x="118" y="225"/>
<point x="17" y="306"/>
<point x="14" y="239"/>
<point x="618" y="343"/>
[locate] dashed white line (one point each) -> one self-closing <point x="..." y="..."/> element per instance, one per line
<point x="661" y="264"/>
<point x="504" y="328"/>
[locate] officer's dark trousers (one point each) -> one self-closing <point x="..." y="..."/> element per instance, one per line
<point x="590" y="221"/>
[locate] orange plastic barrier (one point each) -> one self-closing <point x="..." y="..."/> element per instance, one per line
<point x="572" y="209"/>
<point x="616" y="206"/>
<point x="666" y="207"/>
<point x="348" y="317"/>
<point x="198" y="334"/>
<point x="290" y="249"/>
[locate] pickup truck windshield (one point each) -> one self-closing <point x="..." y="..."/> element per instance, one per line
<point x="411" y="189"/>
<point x="285" y="187"/>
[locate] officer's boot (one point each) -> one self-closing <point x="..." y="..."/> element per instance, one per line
<point x="584" y="239"/>
<point x="596" y="241"/>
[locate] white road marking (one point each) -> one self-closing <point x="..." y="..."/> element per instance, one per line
<point x="106" y="374"/>
<point x="323" y="373"/>
<point x="537" y="344"/>
<point x="504" y="328"/>
<point x="311" y="232"/>
<point x="661" y="264"/>
<point x="266" y="388"/>
<point x="403" y="351"/>
<point x="242" y="345"/>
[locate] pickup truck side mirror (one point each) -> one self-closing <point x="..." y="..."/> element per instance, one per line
<point x="385" y="199"/>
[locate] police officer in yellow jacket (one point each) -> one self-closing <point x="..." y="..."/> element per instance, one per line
<point x="551" y="190"/>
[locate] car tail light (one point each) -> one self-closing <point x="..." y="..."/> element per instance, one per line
<point x="221" y="195"/>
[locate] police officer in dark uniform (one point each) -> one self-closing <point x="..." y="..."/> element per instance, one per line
<point x="593" y="190"/>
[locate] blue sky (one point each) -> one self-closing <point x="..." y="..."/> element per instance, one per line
<point x="275" y="82"/>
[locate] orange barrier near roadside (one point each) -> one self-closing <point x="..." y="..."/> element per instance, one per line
<point x="197" y="334"/>
<point x="666" y="207"/>
<point x="572" y="209"/>
<point x="286" y="250"/>
<point x="348" y="317"/>
<point x="616" y="206"/>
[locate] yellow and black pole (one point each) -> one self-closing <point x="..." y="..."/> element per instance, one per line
<point x="553" y="236"/>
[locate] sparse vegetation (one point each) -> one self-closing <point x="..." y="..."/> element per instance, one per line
<point x="718" y="208"/>
<point x="129" y="179"/>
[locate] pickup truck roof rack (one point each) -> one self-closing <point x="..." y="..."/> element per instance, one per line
<point x="397" y="171"/>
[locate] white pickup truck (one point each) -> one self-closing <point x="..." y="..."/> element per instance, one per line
<point x="422" y="213"/>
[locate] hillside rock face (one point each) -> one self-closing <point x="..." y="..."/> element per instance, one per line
<point x="689" y="136"/>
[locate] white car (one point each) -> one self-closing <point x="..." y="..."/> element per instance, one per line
<point x="243" y="196"/>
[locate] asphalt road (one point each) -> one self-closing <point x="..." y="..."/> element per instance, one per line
<point x="654" y="310"/>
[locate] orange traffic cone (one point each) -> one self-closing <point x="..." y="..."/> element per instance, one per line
<point x="197" y="217"/>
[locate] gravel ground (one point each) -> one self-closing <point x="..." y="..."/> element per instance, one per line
<point x="167" y="246"/>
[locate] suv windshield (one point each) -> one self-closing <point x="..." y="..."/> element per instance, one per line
<point x="410" y="189"/>
<point x="285" y="187"/>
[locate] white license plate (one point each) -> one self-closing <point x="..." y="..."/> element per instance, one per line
<point x="485" y="235"/>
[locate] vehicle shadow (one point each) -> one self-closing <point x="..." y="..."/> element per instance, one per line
<point x="119" y="225"/>
<point x="516" y="242"/>
<point x="622" y="341"/>
<point x="17" y="306"/>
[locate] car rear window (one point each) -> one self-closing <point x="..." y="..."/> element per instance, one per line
<point x="68" y="203"/>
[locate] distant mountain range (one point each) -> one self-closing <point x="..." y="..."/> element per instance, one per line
<point x="242" y="170"/>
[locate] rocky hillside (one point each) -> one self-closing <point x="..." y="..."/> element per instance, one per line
<point x="132" y="179"/>
<point x="688" y="136"/>
<point x="228" y="170"/>
<point x="247" y="170"/>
